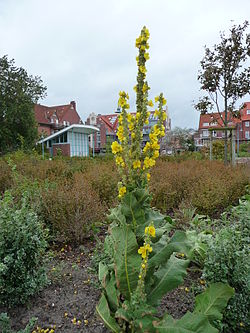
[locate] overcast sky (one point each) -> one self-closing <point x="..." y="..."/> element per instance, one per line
<point x="84" y="50"/>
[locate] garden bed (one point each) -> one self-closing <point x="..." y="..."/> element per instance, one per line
<point x="74" y="292"/>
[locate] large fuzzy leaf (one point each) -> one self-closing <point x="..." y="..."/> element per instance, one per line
<point x="116" y="216"/>
<point x="134" y="205"/>
<point x="163" y="249"/>
<point x="127" y="261"/>
<point x="159" y="222"/>
<point x="213" y="301"/>
<point x="189" y="323"/>
<point x="104" y="312"/>
<point x="167" y="277"/>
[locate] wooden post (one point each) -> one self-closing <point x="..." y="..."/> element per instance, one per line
<point x="211" y="147"/>
<point x="233" y="148"/>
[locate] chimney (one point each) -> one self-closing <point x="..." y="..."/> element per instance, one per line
<point x="73" y="103"/>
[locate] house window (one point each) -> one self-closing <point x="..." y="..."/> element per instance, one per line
<point x="248" y="111"/>
<point x="214" y="134"/>
<point x="64" y="123"/>
<point x="247" y="135"/>
<point x="56" y="121"/>
<point x="205" y="124"/>
<point x="205" y="133"/>
<point x="247" y="123"/>
<point x="51" y="120"/>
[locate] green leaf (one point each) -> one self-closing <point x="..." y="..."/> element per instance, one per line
<point x="163" y="249"/>
<point x="104" y="312"/>
<point x="189" y="323"/>
<point x="112" y="292"/>
<point x="127" y="261"/>
<point x="132" y="209"/>
<point x="116" y="215"/>
<point x="213" y="301"/>
<point x="167" y="277"/>
<point x="102" y="273"/>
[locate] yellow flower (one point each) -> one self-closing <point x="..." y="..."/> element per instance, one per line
<point x="119" y="160"/>
<point x="150" y="231"/>
<point x="143" y="69"/>
<point x="143" y="266"/>
<point x="156" y="99"/>
<point x="146" y="56"/>
<point x="122" y="191"/>
<point x="148" y="177"/>
<point x="135" y="88"/>
<point x="86" y="322"/>
<point x="148" y="162"/>
<point x="129" y="117"/>
<point x="143" y="252"/>
<point x="150" y="103"/>
<point x="137" y="164"/>
<point x="138" y="42"/>
<point x="164" y="116"/>
<point x="242" y="324"/>
<point x="146" y="122"/>
<point x="132" y="135"/>
<point x="116" y="147"/>
<point x="148" y="248"/>
<point x="156" y="154"/>
<point x="164" y="101"/>
<point x="138" y="114"/>
<point x="145" y="87"/>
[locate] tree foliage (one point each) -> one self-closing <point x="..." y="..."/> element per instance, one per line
<point x="18" y="93"/>
<point x="225" y="74"/>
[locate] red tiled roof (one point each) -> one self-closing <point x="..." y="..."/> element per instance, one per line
<point x="215" y="118"/>
<point x="111" y="120"/>
<point x="44" y="113"/>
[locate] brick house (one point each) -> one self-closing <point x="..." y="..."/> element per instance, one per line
<point x="213" y="120"/>
<point x="51" y="119"/>
<point x="108" y="124"/>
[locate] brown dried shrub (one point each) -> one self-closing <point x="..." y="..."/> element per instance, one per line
<point x="208" y="186"/>
<point x="71" y="209"/>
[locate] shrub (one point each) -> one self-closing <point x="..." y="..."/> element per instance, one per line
<point x="103" y="178"/>
<point x="228" y="261"/>
<point x="71" y="208"/>
<point x="5" y="176"/>
<point x="22" y="247"/>
<point x="210" y="187"/>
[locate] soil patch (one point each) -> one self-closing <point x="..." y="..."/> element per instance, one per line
<point x="69" y="302"/>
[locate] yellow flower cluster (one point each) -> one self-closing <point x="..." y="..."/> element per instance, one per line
<point x="122" y="191"/>
<point x="144" y="250"/>
<point x="116" y="147"/>
<point x="150" y="231"/>
<point x="133" y="162"/>
<point x="122" y="102"/>
<point x="141" y="41"/>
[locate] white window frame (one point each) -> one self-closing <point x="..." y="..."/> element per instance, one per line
<point x="247" y="136"/>
<point x="248" y="111"/>
<point x="205" y="134"/>
<point x="247" y="123"/>
<point x="205" y="124"/>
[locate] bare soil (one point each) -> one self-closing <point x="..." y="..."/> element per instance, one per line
<point x="69" y="302"/>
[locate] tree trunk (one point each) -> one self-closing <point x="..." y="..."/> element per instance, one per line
<point x="225" y="144"/>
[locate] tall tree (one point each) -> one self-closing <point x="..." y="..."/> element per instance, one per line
<point x="225" y="74"/>
<point x="18" y="93"/>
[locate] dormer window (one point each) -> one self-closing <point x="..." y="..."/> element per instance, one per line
<point x="205" y="124"/>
